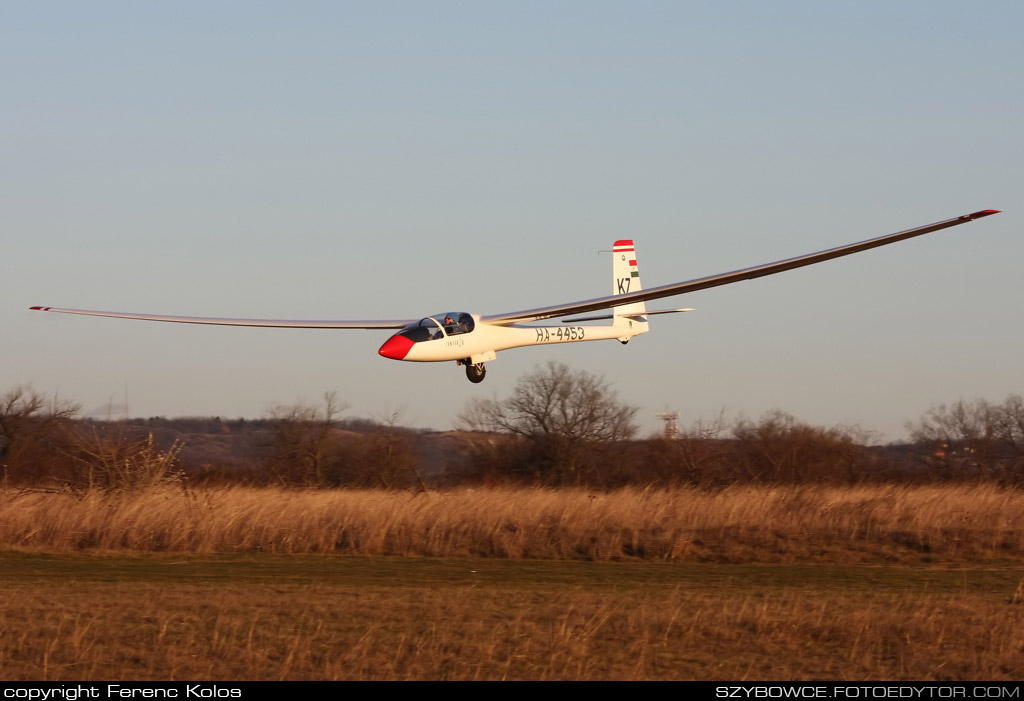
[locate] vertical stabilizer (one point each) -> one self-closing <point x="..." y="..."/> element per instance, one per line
<point x="626" y="278"/>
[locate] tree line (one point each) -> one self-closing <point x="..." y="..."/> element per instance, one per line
<point x="559" y="427"/>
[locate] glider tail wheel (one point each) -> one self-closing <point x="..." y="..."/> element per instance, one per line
<point x="475" y="372"/>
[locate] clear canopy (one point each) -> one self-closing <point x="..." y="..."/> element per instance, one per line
<point x="438" y="326"/>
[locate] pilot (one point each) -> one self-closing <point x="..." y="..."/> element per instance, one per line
<point x="450" y="326"/>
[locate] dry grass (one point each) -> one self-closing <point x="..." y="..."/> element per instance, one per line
<point x="290" y="631"/>
<point x="532" y="610"/>
<point x="740" y="524"/>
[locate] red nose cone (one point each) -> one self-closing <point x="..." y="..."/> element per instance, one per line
<point x="396" y="347"/>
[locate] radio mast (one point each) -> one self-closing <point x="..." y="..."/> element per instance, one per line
<point x="671" y="419"/>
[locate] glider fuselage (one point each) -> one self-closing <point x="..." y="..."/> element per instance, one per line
<point x="463" y="337"/>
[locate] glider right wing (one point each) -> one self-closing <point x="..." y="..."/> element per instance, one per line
<point x="679" y="288"/>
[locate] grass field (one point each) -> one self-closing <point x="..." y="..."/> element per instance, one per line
<point x="147" y="617"/>
<point x="799" y="584"/>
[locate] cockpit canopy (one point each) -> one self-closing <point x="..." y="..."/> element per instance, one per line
<point x="437" y="326"/>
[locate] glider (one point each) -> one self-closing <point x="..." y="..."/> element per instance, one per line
<point x="473" y="339"/>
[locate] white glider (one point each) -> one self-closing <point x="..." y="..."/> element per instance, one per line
<point x="473" y="339"/>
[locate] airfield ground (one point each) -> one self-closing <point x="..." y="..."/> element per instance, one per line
<point x="938" y="602"/>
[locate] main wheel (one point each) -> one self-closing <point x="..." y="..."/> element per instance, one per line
<point x="475" y="372"/>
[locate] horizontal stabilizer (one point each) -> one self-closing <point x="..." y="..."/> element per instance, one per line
<point x="638" y="317"/>
<point x="579" y="319"/>
<point x="671" y="311"/>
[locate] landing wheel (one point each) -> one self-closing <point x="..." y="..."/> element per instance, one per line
<point x="475" y="372"/>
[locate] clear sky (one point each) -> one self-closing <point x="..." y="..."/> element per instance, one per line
<point x="393" y="159"/>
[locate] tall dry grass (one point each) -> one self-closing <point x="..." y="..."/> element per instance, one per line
<point x="743" y="523"/>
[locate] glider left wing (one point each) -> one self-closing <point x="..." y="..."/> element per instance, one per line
<point x="279" y="323"/>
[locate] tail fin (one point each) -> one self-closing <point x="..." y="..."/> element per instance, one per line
<point x="630" y="318"/>
<point x="626" y="278"/>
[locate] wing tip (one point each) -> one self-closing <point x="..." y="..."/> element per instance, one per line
<point x="39" y="309"/>
<point x="982" y="213"/>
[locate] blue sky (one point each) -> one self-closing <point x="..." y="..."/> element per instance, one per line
<point x="393" y="159"/>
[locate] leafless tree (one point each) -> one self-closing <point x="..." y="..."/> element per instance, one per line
<point x="974" y="439"/>
<point x="384" y="456"/>
<point x="780" y="448"/>
<point x="302" y="449"/>
<point x="560" y="415"/>
<point x="1010" y="429"/>
<point x="698" y="453"/>
<point x="28" y="422"/>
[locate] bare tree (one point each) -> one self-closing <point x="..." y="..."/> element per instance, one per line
<point x="560" y="415"/>
<point x="384" y="456"/>
<point x="302" y="450"/>
<point x="780" y="448"/>
<point x="974" y="439"/>
<point x="697" y="454"/>
<point x="29" y="421"/>
<point x="1011" y="434"/>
